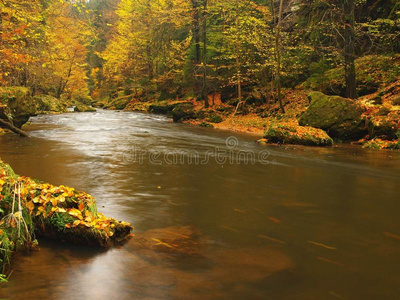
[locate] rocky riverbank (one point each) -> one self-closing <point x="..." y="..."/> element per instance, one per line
<point x="17" y="105"/>
<point x="312" y="118"/>
<point x="29" y="207"/>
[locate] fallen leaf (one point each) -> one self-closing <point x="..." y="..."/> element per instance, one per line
<point x="322" y="245"/>
<point x="275" y="220"/>
<point x="271" y="239"/>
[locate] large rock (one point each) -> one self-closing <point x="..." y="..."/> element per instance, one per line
<point x="382" y="127"/>
<point x="340" y="117"/>
<point x="80" y="107"/>
<point x="135" y="105"/>
<point x="47" y="104"/>
<point x="162" y="107"/>
<point x="297" y="135"/>
<point x="118" y="103"/>
<point x="20" y="104"/>
<point x="183" y="111"/>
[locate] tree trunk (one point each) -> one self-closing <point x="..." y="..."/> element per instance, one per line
<point x="196" y="30"/>
<point x="349" y="51"/>
<point x="204" y="91"/>
<point x="11" y="127"/>
<point x="237" y="54"/>
<point x="278" y="56"/>
<point x="196" y="37"/>
<point x="239" y="79"/>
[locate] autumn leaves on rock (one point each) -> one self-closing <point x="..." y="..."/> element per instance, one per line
<point x="57" y="212"/>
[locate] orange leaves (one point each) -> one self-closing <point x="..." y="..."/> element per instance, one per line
<point x="54" y="201"/>
<point x="275" y="220"/>
<point x="30" y="206"/>
<point x="75" y="213"/>
<point x="60" y="207"/>
<point x="41" y="211"/>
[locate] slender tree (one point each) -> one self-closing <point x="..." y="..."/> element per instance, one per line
<point x="278" y="56"/>
<point x="204" y="91"/>
<point x="349" y="52"/>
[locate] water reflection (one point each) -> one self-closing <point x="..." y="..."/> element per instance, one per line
<point x="256" y="221"/>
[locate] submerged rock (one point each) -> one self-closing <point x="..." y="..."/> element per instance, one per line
<point x="297" y="135"/>
<point x="172" y="240"/>
<point x="340" y="117"/>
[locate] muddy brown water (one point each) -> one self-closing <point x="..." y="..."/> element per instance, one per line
<point x="302" y="223"/>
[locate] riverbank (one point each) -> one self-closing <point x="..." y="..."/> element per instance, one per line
<point x="18" y="104"/>
<point x="29" y="207"/>
<point x="311" y="118"/>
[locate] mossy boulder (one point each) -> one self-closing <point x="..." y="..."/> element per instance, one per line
<point x="183" y="111"/>
<point x="382" y="144"/>
<point x="396" y="100"/>
<point x="297" y="135"/>
<point x="20" y="104"/>
<point x="47" y="103"/>
<point x="340" y="117"/>
<point x="85" y="99"/>
<point x="80" y="107"/>
<point x="207" y="125"/>
<point x="226" y="109"/>
<point x="382" y="127"/>
<point x="136" y="105"/>
<point x="56" y="212"/>
<point x="162" y="107"/>
<point x="214" y="118"/>
<point x="119" y="103"/>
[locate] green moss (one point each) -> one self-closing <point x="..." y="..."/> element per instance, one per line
<point x="298" y="135"/>
<point x="119" y="103"/>
<point x="382" y="127"/>
<point x="183" y="111"/>
<point x="162" y="107"/>
<point x="205" y="124"/>
<point x="12" y="93"/>
<point x="60" y="220"/>
<point x="377" y="144"/>
<point x="80" y="107"/>
<point x="47" y="103"/>
<point x="340" y="117"/>
<point x="214" y="118"/>
<point x="373" y="71"/>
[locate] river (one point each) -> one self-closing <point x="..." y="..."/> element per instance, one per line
<point x="275" y="222"/>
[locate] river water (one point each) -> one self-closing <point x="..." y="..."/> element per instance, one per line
<point x="275" y="222"/>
